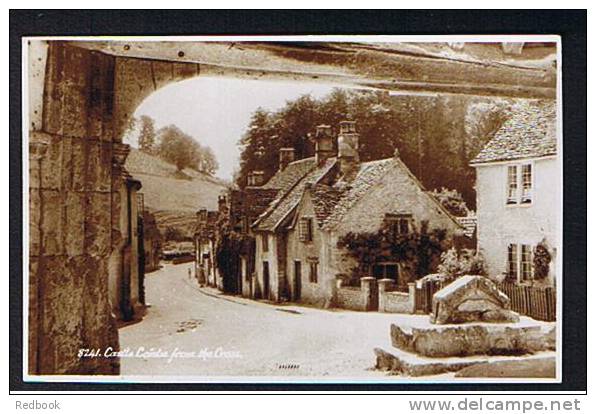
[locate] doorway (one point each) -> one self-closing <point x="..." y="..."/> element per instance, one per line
<point x="297" y="280"/>
<point x="266" y="289"/>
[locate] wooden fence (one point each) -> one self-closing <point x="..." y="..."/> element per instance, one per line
<point x="536" y="302"/>
<point x="424" y="295"/>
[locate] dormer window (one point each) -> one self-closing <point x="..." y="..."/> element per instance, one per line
<point x="519" y="184"/>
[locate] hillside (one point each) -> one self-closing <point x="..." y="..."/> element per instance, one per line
<point x="174" y="197"/>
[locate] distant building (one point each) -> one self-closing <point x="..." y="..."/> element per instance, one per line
<point x="152" y="242"/>
<point x="518" y="189"/>
<point x="205" y="239"/>
<point x="323" y="198"/>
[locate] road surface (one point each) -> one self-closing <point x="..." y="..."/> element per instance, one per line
<point x="200" y="334"/>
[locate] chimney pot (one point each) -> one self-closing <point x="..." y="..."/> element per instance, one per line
<point x="347" y="146"/>
<point x="286" y="156"/>
<point x="323" y="143"/>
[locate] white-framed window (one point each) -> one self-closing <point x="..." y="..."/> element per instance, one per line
<point x="305" y="229"/>
<point x="520" y="265"/>
<point x="520" y="182"/>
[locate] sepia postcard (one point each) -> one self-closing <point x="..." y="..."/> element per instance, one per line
<point x="291" y="209"/>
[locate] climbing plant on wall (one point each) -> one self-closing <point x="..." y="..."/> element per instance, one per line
<point x="417" y="251"/>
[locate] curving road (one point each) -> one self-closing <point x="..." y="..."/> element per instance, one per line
<point x="213" y="335"/>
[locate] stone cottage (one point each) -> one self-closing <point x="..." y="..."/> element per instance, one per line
<point x="325" y="197"/>
<point x="204" y="241"/>
<point x="125" y="269"/>
<point x="518" y="189"/>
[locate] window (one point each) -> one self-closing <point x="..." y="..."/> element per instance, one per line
<point x="265" y="242"/>
<point x="398" y="223"/>
<point x="520" y="265"/>
<point x="305" y="229"/>
<point x="512" y="184"/>
<point x="512" y="262"/>
<point x="313" y="276"/>
<point x="526" y="184"/>
<point x="519" y="177"/>
<point x="526" y="262"/>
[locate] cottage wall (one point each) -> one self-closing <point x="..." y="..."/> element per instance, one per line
<point x="396" y="192"/>
<point x="271" y="257"/>
<point x="321" y="292"/>
<point x="500" y="224"/>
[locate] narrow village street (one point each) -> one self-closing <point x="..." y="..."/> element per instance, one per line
<point x="260" y="339"/>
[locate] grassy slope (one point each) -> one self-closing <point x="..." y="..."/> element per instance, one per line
<point x="174" y="197"/>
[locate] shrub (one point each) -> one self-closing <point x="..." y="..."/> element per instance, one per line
<point x="456" y="263"/>
<point x="542" y="259"/>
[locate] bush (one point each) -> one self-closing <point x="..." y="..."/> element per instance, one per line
<point x="456" y="263"/>
<point x="542" y="260"/>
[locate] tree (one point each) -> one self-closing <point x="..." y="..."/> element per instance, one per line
<point x="147" y="134"/>
<point x="207" y="160"/>
<point x="452" y="200"/>
<point x="178" y="148"/>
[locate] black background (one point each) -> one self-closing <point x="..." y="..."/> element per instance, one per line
<point x="570" y="25"/>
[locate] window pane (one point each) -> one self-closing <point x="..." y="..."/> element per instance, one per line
<point x="512" y="261"/>
<point x="526" y="183"/>
<point x="526" y="262"/>
<point x="512" y="184"/>
<point x="404" y="226"/>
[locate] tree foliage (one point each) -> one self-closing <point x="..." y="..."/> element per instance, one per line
<point x="431" y="133"/>
<point x="452" y="200"/>
<point x="147" y="135"/>
<point x="460" y="262"/>
<point x="182" y="150"/>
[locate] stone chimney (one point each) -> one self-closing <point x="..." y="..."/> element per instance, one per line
<point x="286" y="156"/>
<point x="255" y="178"/>
<point x="323" y="143"/>
<point x="347" y="146"/>
<point x="202" y="216"/>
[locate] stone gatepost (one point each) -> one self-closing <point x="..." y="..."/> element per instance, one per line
<point x="385" y="285"/>
<point x="368" y="286"/>
<point x="412" y="297"/>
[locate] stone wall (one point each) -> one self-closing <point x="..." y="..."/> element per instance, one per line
<point x="350" y="297"/>
<point x="72" y="212"/>
<point x="79" y="102"/>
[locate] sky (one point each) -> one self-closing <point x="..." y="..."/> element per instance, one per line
<point x="216" y="111"/>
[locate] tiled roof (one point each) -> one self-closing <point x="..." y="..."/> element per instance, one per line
<point x="294" y="171"/>
<point x="287" y="200"/>
<point x="530" y="132"/>
<point x="369" y="174"/>
<point x="325" y="198"/>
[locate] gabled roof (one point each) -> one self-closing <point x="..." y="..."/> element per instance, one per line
<point x="368" y="175"/>
<point x="294" y="171"/>
<point x="530" y="132"/>
<point x="287" y="200"/>
<point x="333" y="203"/>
